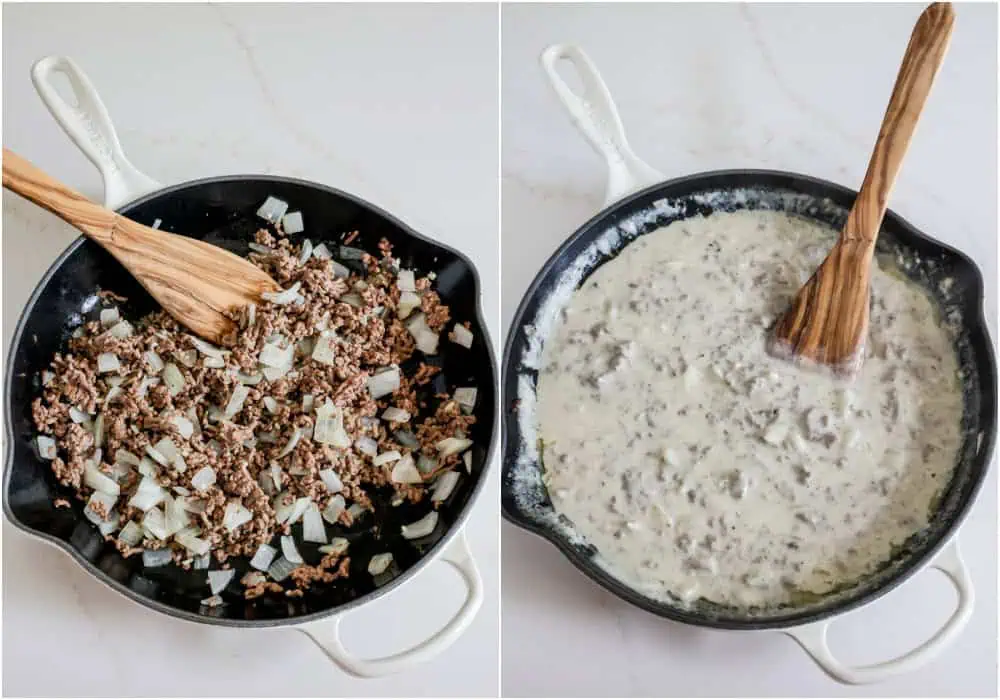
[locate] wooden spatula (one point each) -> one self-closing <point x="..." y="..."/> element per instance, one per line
<point x="828" y="321"/>
<point x="195" y="282"/>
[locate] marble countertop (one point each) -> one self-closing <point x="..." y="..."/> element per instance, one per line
<point x="369" y="99"/>
<point x="715" y="86"/>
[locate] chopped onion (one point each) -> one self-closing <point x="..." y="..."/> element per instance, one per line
<point x="218" y="580"/>
<point x="131" y="534"/>
<point x="386" y="458"/>
<point x="188" y="358"/>
<point x="157" y="456"/>
<point x="366" y="445"/>
<point x="202" y="562"/>
<point x="258" y="248"/>
<point x="263" y="557"/>
<point x="406" y="472"/>
<point x="338" y="545"/>
<point x="77" y="416"/>
<point x="207" y="349"/>
<point x="307" y="403"/>
<point x="383" y="383"/>
<point x="183" y="425"/>
<point x="270" y="404"/>
<point x="461" y="336"/>
<point x="165" y="448"/>
<point x="281" y="569"/>
<point x="203" y="479"/>
<point x="277" y="356"/>
<point x="109" y="317"/>
<point x="154" y="361"/>
<point x="122" y="329"/>
<point x="46" y="447"/>
<point x="195" y="505"/>
<point x="324" y="350"/>
<point x="276" y="475"/>
<point x="322" y="252"/>
<point x="148" y="495"/>
<point x="176" y="517"/>
<point x="147" y="467"/>
<point x="172" y="378"/>
<point x="235" y="516"/>
<point x="292" y="442"/>
<point x="467" y="460"/>
<point x="155" y="523"/>
<point x="307" y="248"/>
<point x="313" y="529"/>
<point x="145" y="383"/>
<point x="251" y="314"/>
<point x="284" y="297"/>
<point x="426" y="339"/>
<point x="339" y="271"/>
<point x="107" y="502"/>
<point x="426" y="464"/>
<point x="152" y="558"/>
<point x="396" y="415"/>
<point x="408" y="301"/>
<point x="406" y="439"/>
<point x="181" y="491"/>
<point x="272" y="210"/>
<point x="422" y="527"/>
<point x="331" y="480"/>
<point x="99" y="481"/>
<point x="466" y="398"/>
<point x="451" y="446"/>
<point x="334" y="508"/>
<point x="289" y="551"/>
<point x="99" y="430"/>
<point x="379" y="563"/>
<point x="214" y="362"/>
<point x="249" y="379"/>
<point x="108" y="362"/>
<point x="405" y="281"/>
<point x="188" y="538"/>
<point x="156" y="223"/>
<point x="272" y="374"/>
<point x="444" y="485"/>
<point x="213" y="602"/>
<point x="235" y="405"/>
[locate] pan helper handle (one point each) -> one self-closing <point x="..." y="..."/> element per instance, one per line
<point x="88" y="124"/>
<point x="595" y="115"/>
<point x="812" y="637"/>
<point x="326" y="633"/>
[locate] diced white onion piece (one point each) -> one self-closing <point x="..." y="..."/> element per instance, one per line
<point x="235" y="516"/>
<point x="218" y="580"/>
<point x="181" y="491"/>
<point x="263" y="557"/>
<point x="276" y="475"/>
<point x="99" y="481"/>
<point x="334" y="508"/>
<point x="152" y="558"/>
<point x="188" y="358"/>
<point x="203" y="478"/>
<point x="406" y="281"/>
<point x="148" y="495"/>
<point x="425" y="338"/>
<point x="292" y="223"/>
<point x="114" y="380"/>
<point x="154" y="361"/>
<point x="108" y="362"/>
<point x="258" y="248"/>
<point x="107" y="503"/>
<point x="408" y="301"/>
<point x="292" y="442"/>
<point x="426" y="464"/>
<point x="339" y="271"/>
<point x="249" y="379"/>
<point x="307" y="403"/>
<point x="383" y="383"/>
<point x="109" y="317"/>
<point x="156" y="223"/>
<point x="77" y="416"/>
<point x="396" y="415"/>
<point x="451" y="446"/>
<point x="356" y="511"/>
<point x="289" y="550"/>
<point x="197" y="546"/>
<point x="166" y="449"/>
<point x="145" y="383"/>
<point x="194" y="505"/>
<point x="147" y="467"/>
<point x="47" y="377"/>
<point x="366" y="445"/>
<point x="207" y="349"/>
<point x="157" y="456"/>
<point x="131" y="534"/>
<point x="251" y="314"/>
<point x="272" y="374"/>
<point x="461" y="335"/>
<point x="272" y="210"/>
<point x="284" y="297"/>
<point x="298" y="508"/>
<point x="467" y="460"/>
<point x="202" y="562"/>
<point x="235" y="405"/>
<point x="379" y="563"/>
<point x="183" y="425"/>
<point x="176" y="517"/>
<point x="122" y="329"/>
<point x="213" y="602"/>
<point x="99" y="430"/>
<point x="112" y="394"/>
<point x="386" y="458"/>
<point x="46" y="447"/>
<point x="155" y="523"/>
<point x="312" y="525"/>
<point x="281" y="569"/>
<point x="172" y="378"/>
<point x="214" y="362"/>
<point x="406" y="472"/>
<point x="338" y="545"/>
<point x="422" y="527"/>
<point x="324" y="350"/>
<point x="322" y="252"/>
<point x="466" y="398"/>
<point x="443" y="486"/>
<point x="331" y="480"/>
<point x="276" y="355"/>
<point x="406" y="439"/>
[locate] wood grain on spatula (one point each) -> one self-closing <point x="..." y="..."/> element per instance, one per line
<point x="827" y="322"/>
<point x="195" y="282"/>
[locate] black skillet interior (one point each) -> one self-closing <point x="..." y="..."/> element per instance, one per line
<point x="950" y="277"/>
<point x="222" y="211"/>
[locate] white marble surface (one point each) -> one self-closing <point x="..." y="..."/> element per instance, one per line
<point x="396" y="104"/>
<point x="711" y="86"/>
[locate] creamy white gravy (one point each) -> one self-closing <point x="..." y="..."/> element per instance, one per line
<point x="701" y="467"/>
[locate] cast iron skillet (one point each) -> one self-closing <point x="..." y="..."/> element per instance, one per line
<point x="927" y="262"/>
<point x="222" y="211"/>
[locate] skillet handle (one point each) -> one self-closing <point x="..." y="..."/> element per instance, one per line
<point x="812" y="637"/>
<point x="595" y="115"/>
<point x="326" y="633"/>
<point x="90" y="127"/>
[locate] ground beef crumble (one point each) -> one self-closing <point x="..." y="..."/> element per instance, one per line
<point x="262" y="451"/>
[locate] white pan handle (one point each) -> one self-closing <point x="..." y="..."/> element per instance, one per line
<point x="812" y="637"/>
<point x="90" y="127"/>
<point x="326" y="633"/>
<point x="595" y="115"/>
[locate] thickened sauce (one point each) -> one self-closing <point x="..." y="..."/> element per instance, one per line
<point x="701" y="467"/>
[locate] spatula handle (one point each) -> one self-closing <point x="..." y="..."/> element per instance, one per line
<point x="923" y="57"/>
<point x="25" y="179"/>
